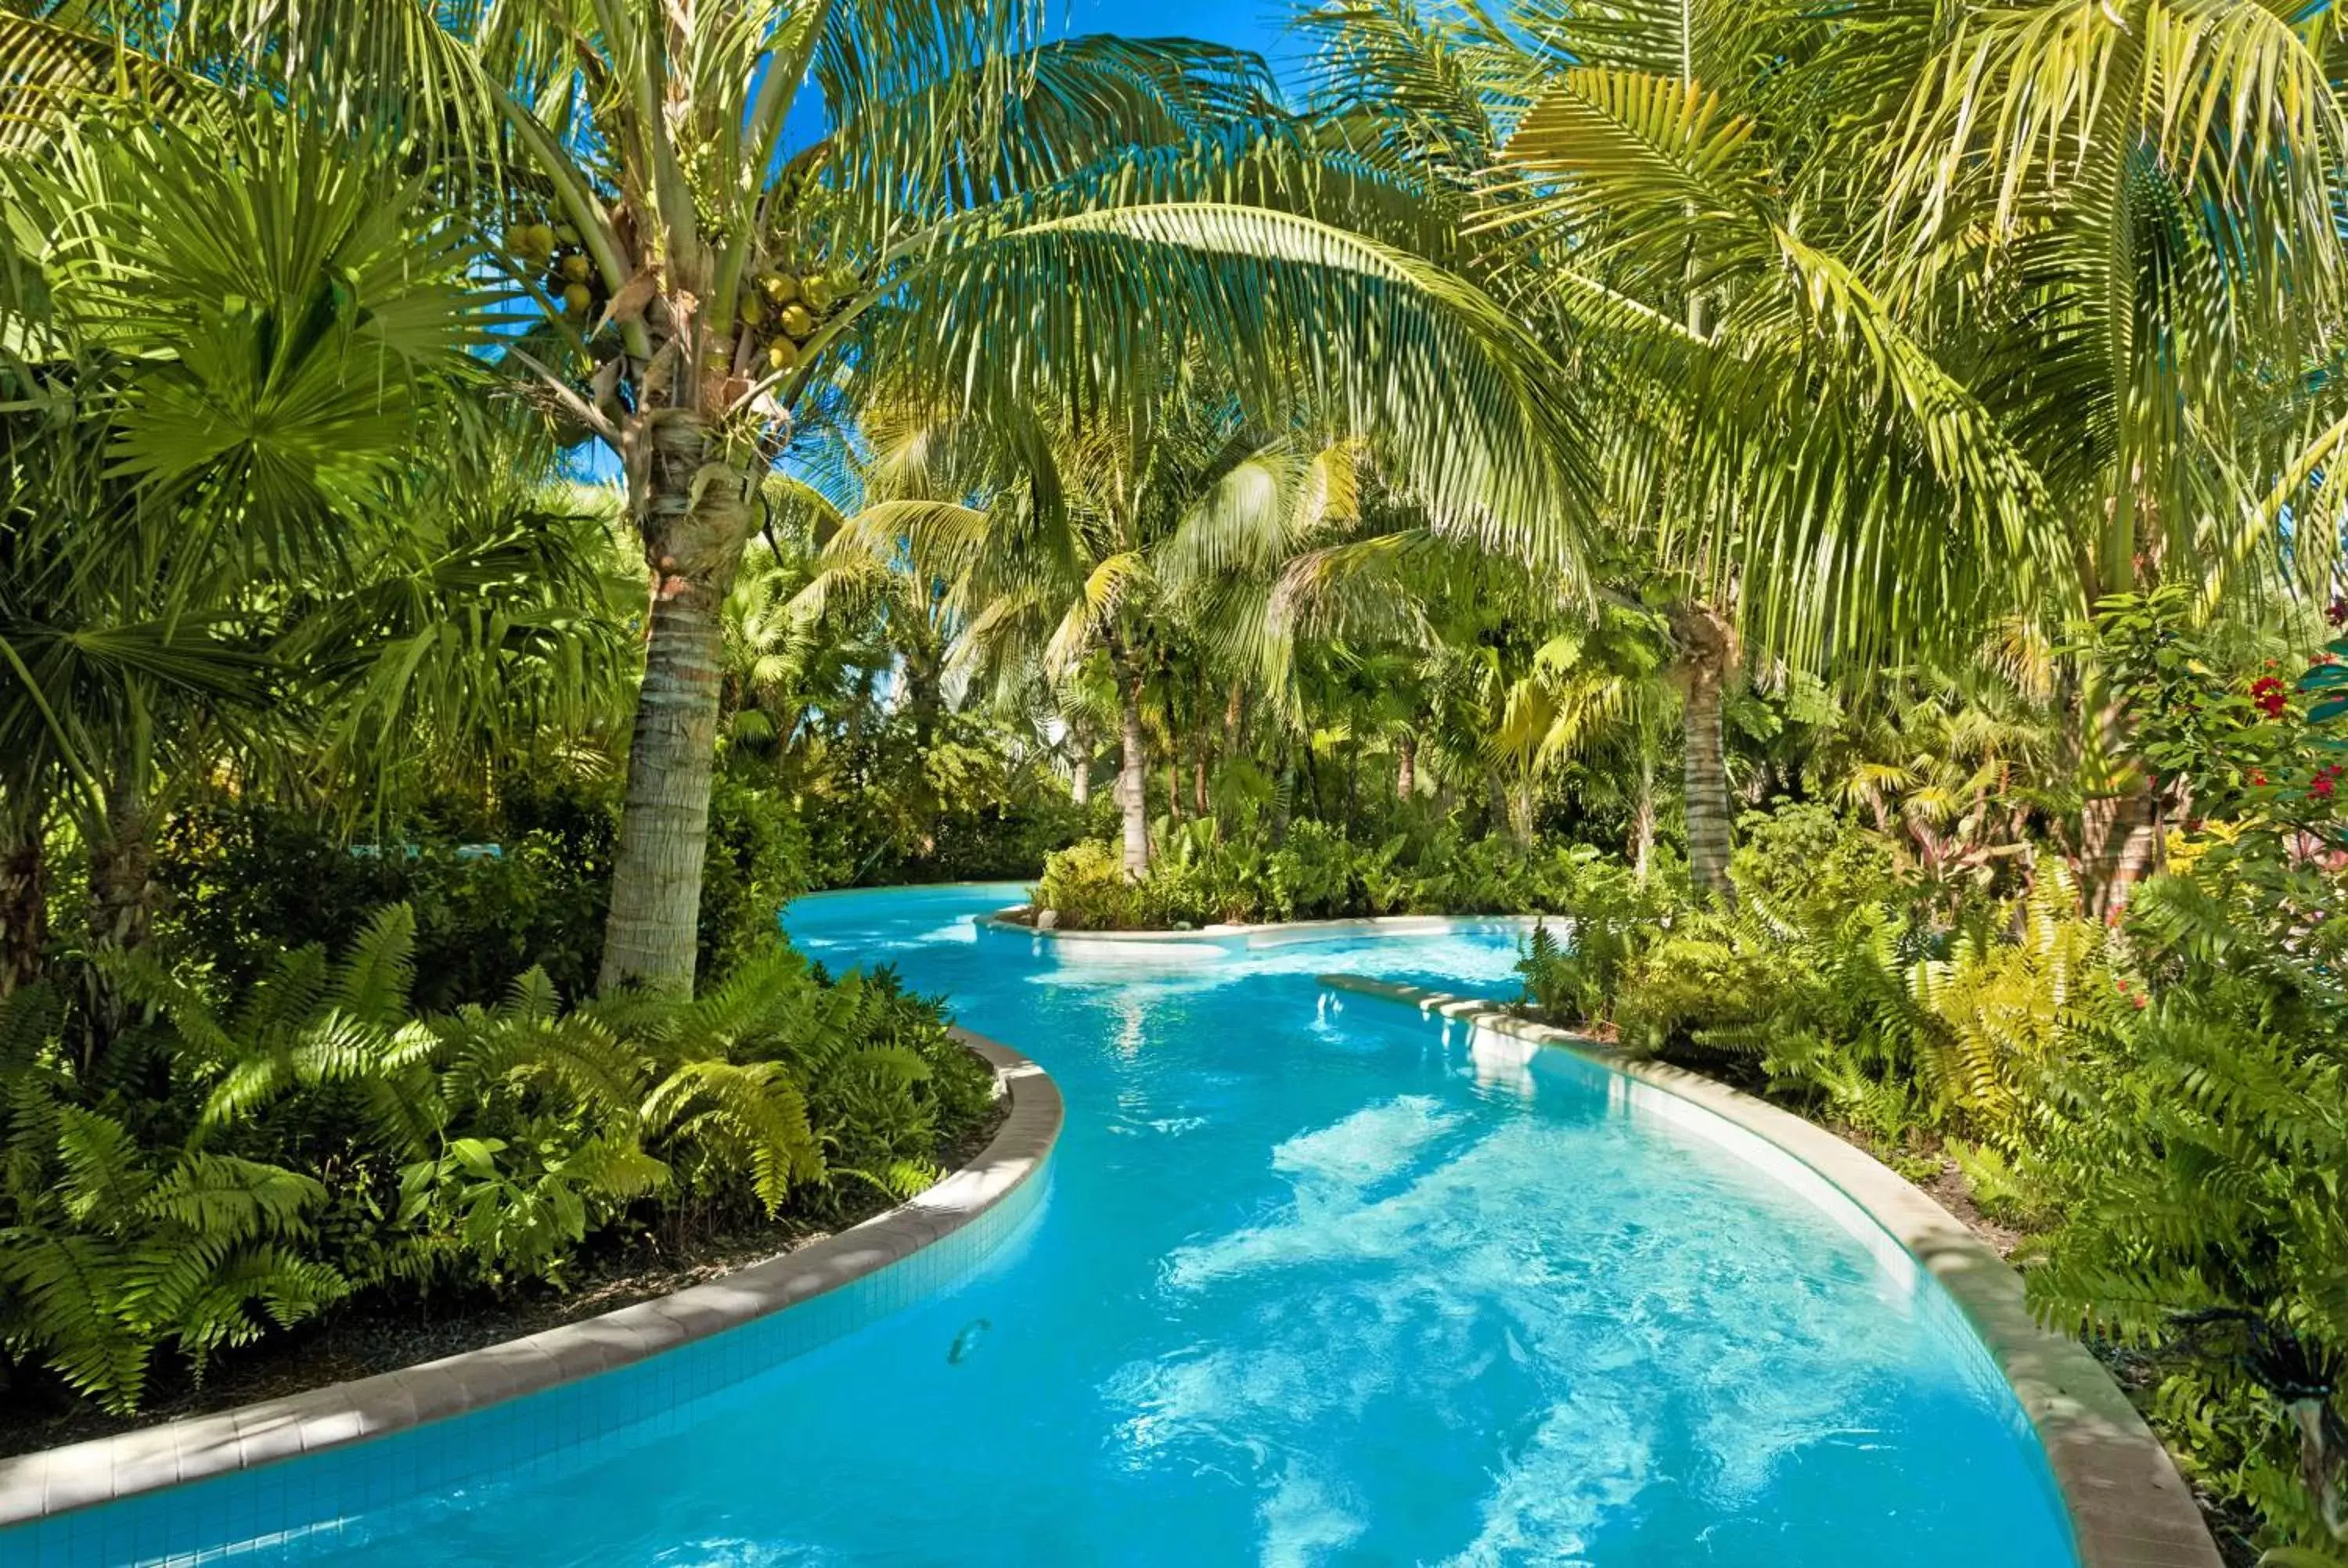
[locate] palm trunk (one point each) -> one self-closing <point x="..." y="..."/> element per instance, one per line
<point x="1133" y="772"/>
<point x="123" y="894"/>
<point x="1709" y="838"/>
<point x="1706" y="647"/>
<point x="1642" y="818"/>
<point x="1283" y="799"/>
<point x="924" y="702"/>
<point x="23" y="908"/>
<point x="1407" y="766"/>
<point x="1199" y="804"/>
<point x="696" y="518"/>
<point x="1080" y="768"/>
<point x="122" y="890"/>
<point x="1521" y="812"/>
<point x="2119" y="827"/>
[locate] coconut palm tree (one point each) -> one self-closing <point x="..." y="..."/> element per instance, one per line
<point x="973" y="206"/>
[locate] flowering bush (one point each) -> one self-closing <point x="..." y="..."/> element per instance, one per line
<point x="2251" y="747"/>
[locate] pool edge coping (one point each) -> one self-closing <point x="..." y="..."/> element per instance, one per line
<point x="999" y="922"/>
<point x="2127" y="1504"/>
<point x="50" y="1483"/>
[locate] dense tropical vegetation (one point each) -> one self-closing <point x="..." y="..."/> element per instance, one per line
<point x="1838" y="505"/>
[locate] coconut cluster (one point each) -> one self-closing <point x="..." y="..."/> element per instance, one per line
<point x="570" y="276"/>
<point x="780" y="311"/>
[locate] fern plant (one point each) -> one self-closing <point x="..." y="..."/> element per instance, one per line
<point x="320" y="1138"/>
<point x="2192" y="1141"/>
<point x="110" y="1251"/>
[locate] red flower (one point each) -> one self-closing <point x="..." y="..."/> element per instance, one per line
<point x="2258" y="779"/>
<point x="2327" y="782"/>
<point x="2338" y="613"/>
<point x="2270" y="695"/>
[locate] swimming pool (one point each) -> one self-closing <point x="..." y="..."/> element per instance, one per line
<point x="1314" y="1284"/>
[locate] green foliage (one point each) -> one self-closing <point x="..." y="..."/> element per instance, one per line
<point x="247" y="879"/>
<point x="1203" y="875"/>
<point x="321" y="1137"/>
<point x="111" y="1250"/>
<point x="1086" y="886"/>
<point x="1609" y="920"/>
<point x="2189" y="1139"/>
<point x="2238" y="735"/>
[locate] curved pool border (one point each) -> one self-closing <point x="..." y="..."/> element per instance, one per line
<point x="1245" y="938"/>
<point x="2128" y="1506"/>
<point x="82" y="1477"/>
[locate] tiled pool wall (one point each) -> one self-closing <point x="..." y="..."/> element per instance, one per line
<point x="355" y="1485"/>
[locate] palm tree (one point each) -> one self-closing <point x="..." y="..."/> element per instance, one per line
<point x="978" y="210"/>
<point x="2118" y="212"/>
<point x="1601" y="690"/>
<point x="1451" y="631"/>
<point x="225" y="343"/>
<point x="1956" y="761"/>
<point x="1780" y="437"/>
<point x="1120" y="544"/>
<point x="280" y="546"/>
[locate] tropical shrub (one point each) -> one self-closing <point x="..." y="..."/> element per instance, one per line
<point x="1574" y="971"/>
<point x="312" y="1137"/>
<point x="246" y="881"/>
<point x="111" y="1250"/>
<point x="494" y="893"/>
<point x="1203" y="874"/>
<point x="2186" y="1138"/>
<point x="1086" y="886"/>
<point x="2188" y="1141"/>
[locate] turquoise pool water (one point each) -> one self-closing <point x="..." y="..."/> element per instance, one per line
<point x="1313" y="1284"/>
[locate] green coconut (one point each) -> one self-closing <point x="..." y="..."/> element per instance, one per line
<point x="796" y="320"/>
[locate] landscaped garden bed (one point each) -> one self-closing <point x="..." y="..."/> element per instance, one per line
<point x="1835" y="515"/>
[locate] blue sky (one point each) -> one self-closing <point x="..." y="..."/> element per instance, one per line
<point x="1250" y="23"/>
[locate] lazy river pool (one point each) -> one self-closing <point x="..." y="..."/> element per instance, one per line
<point x="1315" y="1283"/>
